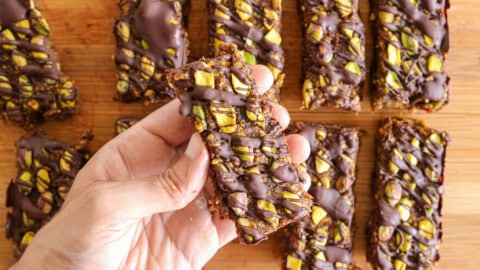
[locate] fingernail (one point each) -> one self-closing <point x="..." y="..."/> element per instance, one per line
<point x="195" y="146"/>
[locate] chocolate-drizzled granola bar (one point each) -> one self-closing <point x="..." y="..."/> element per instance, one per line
<point x="405" y="228"/>
<point x="124" y="123"/>
<point x="254" y="26"/>
<point x="32" y="85"/>
<point x="151" y="37"/>
<point x="412" y="40"/>
<point x="323" y="240"/>
<point x="333" y="54"/>
<point x="46" y="170"/>
<point x="257" y="185"/>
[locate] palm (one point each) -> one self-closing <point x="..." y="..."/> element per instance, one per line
<point x="185" y="238"/>
<point x="156" y="241"/>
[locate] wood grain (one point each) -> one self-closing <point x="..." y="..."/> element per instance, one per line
<point x="82" y="35"/>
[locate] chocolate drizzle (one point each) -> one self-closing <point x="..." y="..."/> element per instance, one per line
<point x="32" y="85"/>
<point x="34" y="198"/>
<point x="421" y="35"/>
<point x="248" y="34"/>
<point x="328" y="55"/>
<point x="396" y="222"/>
<point x="250" y="165"/>
<point x="156" y="41"/>
<point x="332" y="191"/>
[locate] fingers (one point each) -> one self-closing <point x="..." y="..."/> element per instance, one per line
<point x="168" y="124"/>
<point x="280" y="114"/>
<point x="167" y="191"/>
<point x="298" y="147"/>
<point x="263" y="78"/>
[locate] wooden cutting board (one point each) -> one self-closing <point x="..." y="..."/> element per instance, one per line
<point x="82" y="35"/>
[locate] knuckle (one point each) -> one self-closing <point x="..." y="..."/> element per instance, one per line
<point x="173" y="185"/>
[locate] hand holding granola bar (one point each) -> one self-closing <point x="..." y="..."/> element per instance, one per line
<point x="141" y="201"/>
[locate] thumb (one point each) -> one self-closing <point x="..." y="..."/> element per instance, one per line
<point x="170" y="190"/>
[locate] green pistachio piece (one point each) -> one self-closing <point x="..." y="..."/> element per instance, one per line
<point x="409" y="42"/>
<point x="274" y="37"/>
<point x="428" y="40"/>
<point x="307" y="93"/>
<point x="122" y="87"/>
<point x="294" y="263"/>
<point x="43" y="180"/>
<point x="148" y="67"/>
<point x="200" y="123"/>
<point x="393" y="192"/>
<point x="344" y="7"/>
<point x="399" y="265"/>
<point x="353" y="68"/>
<point x="221" y="14"/>
<point x="393" y="55"/>
<point x="321" y="166"/>
<point x="204" y="78"/>
<point x="403" y="207"/>
<point x="250" y="58"/>
<point x="27" y="238"/>
<point x="123" y="31"/>
<point x="29" y="222"/>
<point x="266" y="205"/>
<point x="393" y="81"/>
<point x="239" y="86"/>
<point x="426" y="228"/>
<point x="318" y="213"/>
<point x="355" y="46"/>
<point x="386" y="16"/>
<point x="434" y="64"/>
<point x="315" y="31"/>
<point x="19" y="59"/>
<point x="224" y="116"/>
<point x="244" y="9"/>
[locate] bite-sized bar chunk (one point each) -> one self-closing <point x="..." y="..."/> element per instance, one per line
<point x="411" y="44"/>
<point x="257" y="185"/>
<point x="333" y="54"/>
<point x="46" y="171"/>
<point x="32" y="85"/>
<point x="151" y="37"/>
<point x="124" y="123"/>
<point x="405" y="228"/>
<point x="254" y="26"/>
<point x="323" y="240"/>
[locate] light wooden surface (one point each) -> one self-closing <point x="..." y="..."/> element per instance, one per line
<point x="82" y="35"/>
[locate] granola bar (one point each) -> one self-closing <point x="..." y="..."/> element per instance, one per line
<point x="257" y="185"/>
<point x="405" y="229"/>
<point x="46" y="170"/>
<point x="151" y="37"/>
<point x="411" y="44"/>
<point x="32" y="85"/>
<point x="323" y="240"/>
<point x="333" y="54"/>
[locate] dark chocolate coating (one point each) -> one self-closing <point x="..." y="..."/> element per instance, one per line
<point x="247" y="24"/>
<point x="151" y="37"/>
<point x="411" y="45"/>
<point x="124" y="123"/>
<point x="256" y="183"/>
<point x="46" y="170"/>
<point x="405" y="229"/>
<point x="333" y="54"/>
<point x="32" y="85"/>
<point x="318" y="242"/>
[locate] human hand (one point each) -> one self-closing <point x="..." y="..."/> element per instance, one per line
<point x="141" y="201"/>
